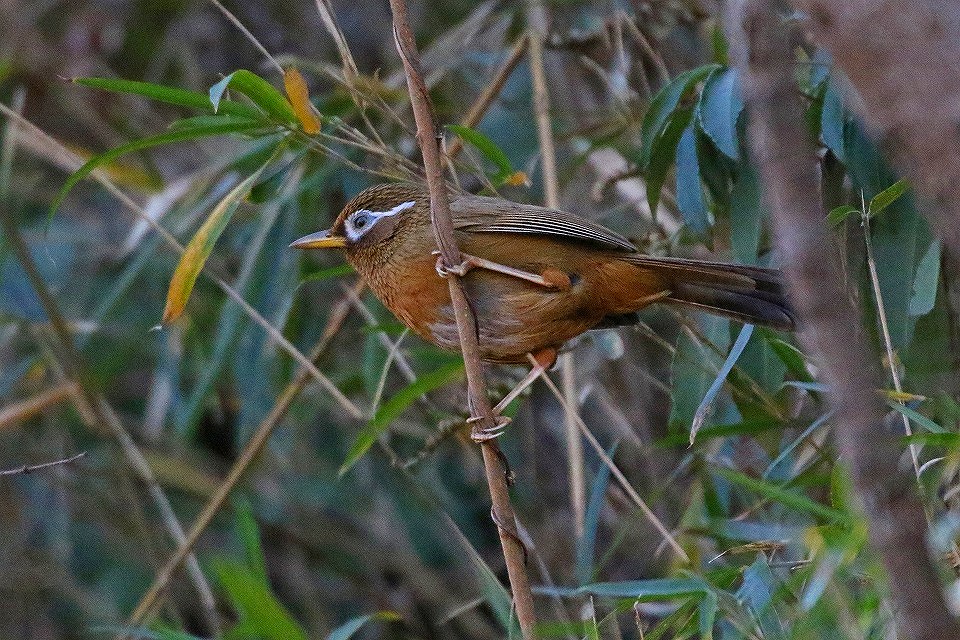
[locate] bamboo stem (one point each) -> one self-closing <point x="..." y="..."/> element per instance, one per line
<point x="513" y="550"/>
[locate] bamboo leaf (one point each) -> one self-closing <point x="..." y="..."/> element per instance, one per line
<point x="169" y="95"/>
<point x="396" y="405"/>
<point x="663" y="156"/>
<point x="839" y="214"/>
<point x="202" y="242"/>
<point x="719" y="109"/>
<point x="262" y="93"/>
<point x="182" y="134"/>
<point x="786" y="497"/>
<point x="925" y="281"/>
<point x="703" y="410"/>
<point x="645" y="590"/>
<point x="887" y="197"/>
<point x="299" y="96"/>
<point x="664" y="104"/>
<point x="261" y="614"/>
<point x="490" y="151"/>
<point x="689" y="189"/>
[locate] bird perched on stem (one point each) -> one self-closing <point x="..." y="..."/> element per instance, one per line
<point x="535" y="277"/>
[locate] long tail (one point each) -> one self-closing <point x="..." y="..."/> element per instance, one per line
<point x="748" y="294"/>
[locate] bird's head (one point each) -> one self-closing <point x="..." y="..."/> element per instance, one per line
<point x="370" y="219"/>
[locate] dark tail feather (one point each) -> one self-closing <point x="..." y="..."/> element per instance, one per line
<point x="749" y="294"/>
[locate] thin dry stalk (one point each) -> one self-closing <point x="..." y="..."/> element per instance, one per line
<point x="26" y="409"/>
<point x="490" y="92"/>
<point x="615" y="470"/>
<point x="536" y="22"/>
<point x="787" y="161"/>
<point x="250" y="452"/>
<point x="246" y="32"/>
<point x="504" y="516"/>
<point x="31" y="468"/>
<point x="885" y="331"/>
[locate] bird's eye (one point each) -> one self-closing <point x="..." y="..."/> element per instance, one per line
<point x="361" y="221"/>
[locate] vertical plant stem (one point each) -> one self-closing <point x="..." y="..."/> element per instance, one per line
<point x="513" y="551"/>
<point x="537" y="26"/>
<point x="885" y="330"/>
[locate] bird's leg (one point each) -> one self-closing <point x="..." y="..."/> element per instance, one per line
<point x="549" y="278"/>
<point x="543" y="360"/>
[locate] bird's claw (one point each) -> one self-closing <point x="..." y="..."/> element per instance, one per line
<point x="444" y="270"/>
<point x="488" y="433"/>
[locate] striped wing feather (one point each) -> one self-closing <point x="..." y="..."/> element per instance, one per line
<point x="478" y="214"/>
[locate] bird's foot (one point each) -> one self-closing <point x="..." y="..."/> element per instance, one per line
<point x="549" y="278"/>
<point x="484" y="434"/>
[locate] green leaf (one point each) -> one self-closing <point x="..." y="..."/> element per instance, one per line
<point x="488" y="148"/>
<point x="703" y="410"/>
<point x="756" y="592"/>
<point x="663" y="156"/>
<point x="202" y="242"/>
<point x="916" y="417"/>
<point x="786" y="497"/>
<point x="664" y="104"/>
<point x="326" y="274"/>
<point x="262" y="93"/>
<point x="719" y="109"/>
<point x="924" y="295"/>
<point x="184" y="134"/>
<point x="261" y="614"/>
<point x="833" y="120"/>
<point x="746" y="215"/>
<point x="586" y="544"/>
<point x="839" y="214"/>
<point x="950" y="440"/>
<point x="350" y="627"/>
<point x="645" y="590"/>
<point x="689" y="189"/>
<point x="396" y="405"/>
<point x="887" y="197"/>
<point x="170" y="95"/>
<point x="792" y="358"/>
<point x="249" y="535"/>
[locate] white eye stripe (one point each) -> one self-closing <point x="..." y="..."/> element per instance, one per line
<point x="354" y="233"/>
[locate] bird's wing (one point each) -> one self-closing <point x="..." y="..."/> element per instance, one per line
<point x="478" y="214"/>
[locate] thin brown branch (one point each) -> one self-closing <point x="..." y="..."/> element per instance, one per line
<point x="250" y="452"/>
<point x="513" y="551"/>
<point x="787" y="164"/>
<point x="490" y="92"/>
<point x="30" y="468"/>
<point x="26" y="409"/>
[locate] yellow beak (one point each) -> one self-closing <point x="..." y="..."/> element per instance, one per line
<point x="319" y="240"/>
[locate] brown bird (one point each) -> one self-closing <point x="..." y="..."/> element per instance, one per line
<point x="535" y="277"/>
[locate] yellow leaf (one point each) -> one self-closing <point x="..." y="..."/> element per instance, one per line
<point x="517" y="179"/>
<point x="299" y="97"/>
<point x="901" y="396"/>
<point x="201" y="244"/>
